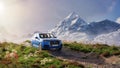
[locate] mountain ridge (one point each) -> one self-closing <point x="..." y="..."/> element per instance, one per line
<point x="74" y="28"/>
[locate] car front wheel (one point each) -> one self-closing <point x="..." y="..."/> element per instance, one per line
<point x="59" y="49"/>
<point x="40" y="47"/>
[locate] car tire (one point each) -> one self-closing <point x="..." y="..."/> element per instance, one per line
<point x="59" y="49"/>
<point x="40" y="47"/>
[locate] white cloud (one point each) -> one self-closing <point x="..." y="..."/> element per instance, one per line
<point x="118" y="20"/>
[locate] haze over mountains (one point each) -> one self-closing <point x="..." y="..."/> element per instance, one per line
<point x="74" y="28"/>
<point x="110" y="38"/>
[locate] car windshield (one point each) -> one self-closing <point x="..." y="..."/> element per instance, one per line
<point x="47" y="35"/>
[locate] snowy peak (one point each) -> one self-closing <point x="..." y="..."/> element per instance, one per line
<point x="74" y="18"/>
<point x="74" y="28"/>
<point x="71" y="23"/>
<point x="72" y="15"/>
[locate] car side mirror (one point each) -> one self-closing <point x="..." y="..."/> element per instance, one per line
<point x="36" y="38"/>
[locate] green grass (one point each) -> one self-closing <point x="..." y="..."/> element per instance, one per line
<point x="29" y="57"/>
<point x="101" y="49"/>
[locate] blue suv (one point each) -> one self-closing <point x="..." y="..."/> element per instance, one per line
<point x="46" y="41"/>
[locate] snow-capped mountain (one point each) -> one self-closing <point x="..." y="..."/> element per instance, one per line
<point x="74" y="28"/>
<point x="72" y="23"/>
<point x="102" y="27"/>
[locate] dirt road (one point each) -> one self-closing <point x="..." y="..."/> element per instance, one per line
<point x="87" y="59"/>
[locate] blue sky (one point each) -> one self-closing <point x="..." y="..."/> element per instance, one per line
<point x="43" y="15"/>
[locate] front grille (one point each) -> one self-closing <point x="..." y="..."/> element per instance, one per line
<point x="46" y="46"/>
<point x="54" y="42"/>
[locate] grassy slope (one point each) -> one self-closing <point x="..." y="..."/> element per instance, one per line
<point x="29" y="57"/>
<point x="101" y="49"/>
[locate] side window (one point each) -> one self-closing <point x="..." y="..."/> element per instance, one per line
<point x="41" y="36"/>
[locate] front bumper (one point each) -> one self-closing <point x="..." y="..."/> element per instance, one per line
<point x="51" y="44"/>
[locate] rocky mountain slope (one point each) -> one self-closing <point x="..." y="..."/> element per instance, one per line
<point x="74" y="28"/>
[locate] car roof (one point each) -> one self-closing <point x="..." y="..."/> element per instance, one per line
<point x="41" y="33"/>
